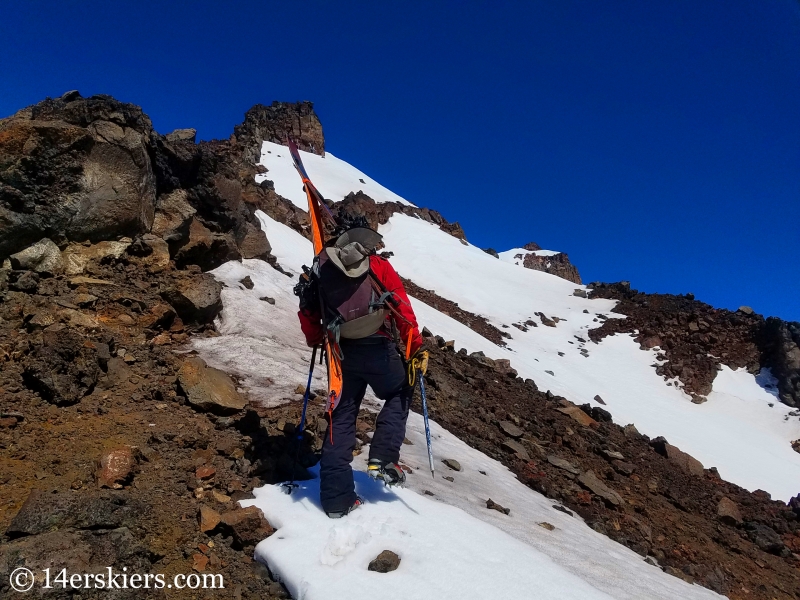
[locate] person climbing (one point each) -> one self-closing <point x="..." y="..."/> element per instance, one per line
<point x="357" y="299"/>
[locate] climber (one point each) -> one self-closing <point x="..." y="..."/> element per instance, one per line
<point x="357" y="299"/>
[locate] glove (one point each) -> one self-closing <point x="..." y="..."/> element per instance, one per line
<point x="418" y="364"/>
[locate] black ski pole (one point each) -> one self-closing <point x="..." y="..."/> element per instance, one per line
<point x="288" y="487"/>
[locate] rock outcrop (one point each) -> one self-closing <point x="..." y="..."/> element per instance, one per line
<point x="555" y="263"/>
<point x="75" y="169"/>
<point x="274" y="123"/>
<point x="695" y="338"/>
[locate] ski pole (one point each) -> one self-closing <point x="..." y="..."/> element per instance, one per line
<point x="427" y="426"/>
<point x="291" y="485"/>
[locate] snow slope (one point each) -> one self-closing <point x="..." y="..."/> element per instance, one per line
<point x="333" y="177"/>
<point x="452" y="546"/>
<point x="736" y="430"/>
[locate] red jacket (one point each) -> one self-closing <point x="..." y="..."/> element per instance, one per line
<point x="311" y="321"/>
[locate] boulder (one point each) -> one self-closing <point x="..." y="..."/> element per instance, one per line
<point x="77" y="257"/>
<point x="766" y="538"/>
<point x="253" y="242"/>
<point x="44" y="511"/>
<point x="515" y="448"/>
<point x="173" y="215"/>
<point x="182" y="135"/>
<point x="197" y="299"/>
<point x="151" y="252"/>
<point x="577" y="415"/>
<point x="385" y="562"/>
<point x="209" y="389"/>
<point x="23" y="281"/>
<point x="590" y="481"/>
<point x="82" y="551"/>
<point x="510" y="429"/>
<point x="452" y="463"/>
<point x="42" y="257"/>
<point x="247" y="526"/>
<point x="563" y="464"/>
<point x="208" y="519"/>
<point x="675" y="455"/>
<point x="206" y="248"/>
<point x="80" y="168"/>
<point x="62" y="369"/>
<point x="728" y="512"/>
<point x="492" y="505"/>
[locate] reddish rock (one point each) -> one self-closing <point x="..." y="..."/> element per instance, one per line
<point x="199" y="562"/>
<point x="208" y="519"/>
<point x="116" y="468"/>
<point x="578" y="415"/>
<point x="247" y="525"/>
<point x="205" y="473"/>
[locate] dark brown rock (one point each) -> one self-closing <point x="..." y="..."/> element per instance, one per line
<point x="728" y="512"/>
<point x="247" y="525"/>
<point x="62" y="369"/>
<point x="81" y="168"/>
<point x="385" y="562"/>
<point x="196" y="300"/>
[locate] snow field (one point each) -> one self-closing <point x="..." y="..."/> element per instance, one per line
<point x="452" y="546"/>
<point x="333" y="177"/>
<point x="736" y="431"/>
<point x="445" y="553"/>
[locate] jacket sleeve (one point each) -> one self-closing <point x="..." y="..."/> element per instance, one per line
<point x="407" y="321"/>
<point x="311" y="324"/>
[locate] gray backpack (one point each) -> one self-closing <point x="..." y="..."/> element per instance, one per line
<point x="354" y="305"/>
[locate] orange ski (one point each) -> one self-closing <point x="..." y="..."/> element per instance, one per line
<point x="316" y="206"/>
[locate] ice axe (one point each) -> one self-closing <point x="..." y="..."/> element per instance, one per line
<point x="427" y="427"/>
<point x="291" y="485"/>
<point x="424" y="402"/>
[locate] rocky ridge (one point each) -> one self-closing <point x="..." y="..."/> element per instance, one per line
<point x="695" y="338"/>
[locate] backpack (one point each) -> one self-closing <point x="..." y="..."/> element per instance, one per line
<point x="351" y="300"/>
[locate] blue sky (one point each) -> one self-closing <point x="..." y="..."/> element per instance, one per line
<point x="653" y="142"/>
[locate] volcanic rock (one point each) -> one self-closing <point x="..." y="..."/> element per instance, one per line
<point x="385" y="562"/>
<point x="77" y="257"/>
<point x="510" y="429"/>
<point x="116" y="468"/>
<point x="206" y="248"/>
<point x="728" y="512"/>
<point x="182" y="135"/>
<point x="590" y="481"/>
<point x="209" y="389"/>
<point x="247" y="525"/>
<point x="81" y="168"/>
<point x="44" y="511"/>
<point x="42" y="257"/>
<point x="62" y="369"/>
<point x="196" y="300"/>
<point x="675" y="455"/>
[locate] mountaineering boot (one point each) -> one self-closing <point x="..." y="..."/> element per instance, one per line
<point x="390" y="473"/>
<point x="342" y="513"/>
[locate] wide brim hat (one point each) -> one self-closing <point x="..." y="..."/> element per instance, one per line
<point x="351" y="259"/>
<point x="368" y="238"/>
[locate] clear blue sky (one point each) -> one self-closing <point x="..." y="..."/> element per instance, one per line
<point x="657" y="142"/>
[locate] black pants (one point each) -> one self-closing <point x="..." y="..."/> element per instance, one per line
<point x="373" y="361"/>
